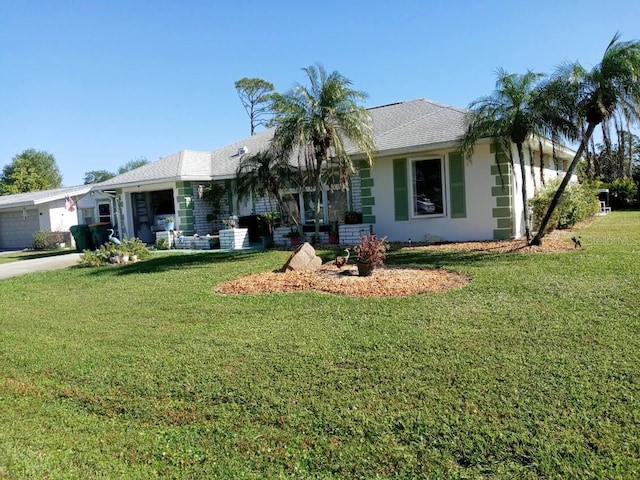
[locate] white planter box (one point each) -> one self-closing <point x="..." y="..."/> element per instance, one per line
<point x="234" y="238"/>
<point x="352" y="234"/>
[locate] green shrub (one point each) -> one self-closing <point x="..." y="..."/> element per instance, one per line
<point x="47" y="240"/>
<point x="134" y="246"/>
<point x="623" y="192"/>
<point x="162" y="244"/>
<point x="91" y="258"/>
<point x="108" y="251"/>
<point x="577" y="203"/>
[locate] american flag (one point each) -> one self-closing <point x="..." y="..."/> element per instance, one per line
<point x="68" y="204"/>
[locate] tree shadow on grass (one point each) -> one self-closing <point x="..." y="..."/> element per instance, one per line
<point x="160" y="262"/>
<point x="38" y="254"/>
<point x="445" y="258"/>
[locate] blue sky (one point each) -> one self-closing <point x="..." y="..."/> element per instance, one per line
<point x="99" y="83"/>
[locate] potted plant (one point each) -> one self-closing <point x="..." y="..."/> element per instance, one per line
<point x="169" y="223"/>
<point x="230" y="223"/>
<point x="294" y="235"/>
<point x="370" y="254"/>
<point x="352" y="217"/>
<point x="333" y="233"/>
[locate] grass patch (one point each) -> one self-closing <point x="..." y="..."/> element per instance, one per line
<point x="139" y="371"/>
<point x="31" y="254"/>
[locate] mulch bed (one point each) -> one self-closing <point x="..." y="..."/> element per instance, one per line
<point x="386" y="281"/>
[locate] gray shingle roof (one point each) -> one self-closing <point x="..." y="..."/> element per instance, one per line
<point x="398" y="126"/>
<point x="41" y="196"/>
<point x="416" y="123"/>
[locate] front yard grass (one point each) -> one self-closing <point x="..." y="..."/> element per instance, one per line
<point x="140" y="371"/>
<point x="8" y="257"/>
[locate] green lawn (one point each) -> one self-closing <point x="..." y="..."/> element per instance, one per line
<point x="140" y="371"/>
<point x="8" y="257"/>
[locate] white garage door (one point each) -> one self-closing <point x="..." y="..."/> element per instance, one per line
<point x="16" y="231"/>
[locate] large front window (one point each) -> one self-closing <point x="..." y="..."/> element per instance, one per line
<point x="310" y="207"/>
<point x="428" y="187"/>
<point x="292" y="200"/>
<point x="337" y="200"/>
<point x="302" y="206"/>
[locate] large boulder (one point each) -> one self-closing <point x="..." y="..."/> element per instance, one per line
<point x="303" y="258"/>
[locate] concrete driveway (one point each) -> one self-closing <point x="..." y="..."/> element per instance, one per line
<point x="22" y="267"/>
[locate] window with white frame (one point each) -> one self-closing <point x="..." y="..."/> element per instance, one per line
<point x="87" y="216"/>
<point x="428" y="187"/>
<point x="104" y="212"/>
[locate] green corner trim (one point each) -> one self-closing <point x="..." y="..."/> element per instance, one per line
<point x="369" y="219"/>
<point x="367" y="211"/>
<point x="502" y="170"/>
<point x="502" y="159"/>
<point x="501" y="213"/>
<point x="503" y="201"/>
<point x="501" y="191"/>
<point x="366" y="182"/>
<point x="503" y="180"/>
<point x="504" y="223"/>
<point x="365" y="192"/>
<point x="502" y="234"/>
<point x="368" y="201"/>
<point x="365" y="173"/>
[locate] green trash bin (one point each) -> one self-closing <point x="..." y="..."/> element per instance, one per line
<point x="99" y="233"/>
<point x="82" y="236"/>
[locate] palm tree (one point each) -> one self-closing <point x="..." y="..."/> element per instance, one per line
<point x="595" y="97"/>
<point x="317" y="120"/>
<point x="265" y="174"/>
<point x="508" y="116"/>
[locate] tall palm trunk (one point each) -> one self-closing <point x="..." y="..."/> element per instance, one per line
<point x="537" y="240"/>
<point x="316" y="215"/>
<point x="525" y="197"/>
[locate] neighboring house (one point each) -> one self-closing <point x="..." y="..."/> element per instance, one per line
<point x="420" y="187"/>
<point x="23" y="214"/>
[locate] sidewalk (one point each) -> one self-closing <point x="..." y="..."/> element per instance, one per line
<point x="21" y="267"/>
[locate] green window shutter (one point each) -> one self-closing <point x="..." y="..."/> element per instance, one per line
<point x="400" y="190"/>
<point x="457" y="201"/>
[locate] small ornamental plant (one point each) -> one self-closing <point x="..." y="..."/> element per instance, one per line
<point x="294" y="233"/>
<point x="372" y="250"/>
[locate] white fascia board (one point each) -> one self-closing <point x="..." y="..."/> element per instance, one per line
<point x="28" y="203"/>
<point x="413" y="149"/>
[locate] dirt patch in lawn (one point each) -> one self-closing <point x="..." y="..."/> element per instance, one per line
<point x="549" y="245"/>
<point x="386" y="281"/>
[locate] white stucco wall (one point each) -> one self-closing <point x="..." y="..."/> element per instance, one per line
<point x="54" y="217"/>
<point x="551" y="170"/>
<point x="478" y="224"/>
